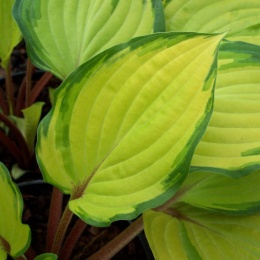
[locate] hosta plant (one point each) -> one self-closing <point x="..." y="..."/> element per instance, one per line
<point x="158" y="127"/>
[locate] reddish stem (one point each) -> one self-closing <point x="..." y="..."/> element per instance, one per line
<point x="9" y="88"/>
<point x="30" y="254"/>
<point x="115" y="245"/>
<point x="11" y="147"/>
<point x="26" y="154"/>
<point x="3" y="104"/>
<point x="54" y="216"/>
<point x="72" y="239"/>
<point x="20" y="98"/>
<point x="61" y="230"/>
<point x="39" y="87"/>
<point x="29" y="72"/>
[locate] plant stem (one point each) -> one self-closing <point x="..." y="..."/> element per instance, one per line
<point x="20" y="98"/>
<point x="9" y="88"/>
<point x="26" y="154"/>
<point x="29" y="71"/>
<point x="54" y="217"/>
<point x="3" y="104"/>
<point x="30" y="254"/>
<point x="11" y="147"/>
<point x="38" y="87"/>
<point x="72" y="239"/>
<point x="61" y="230"/>
<point x="114" y="246"/>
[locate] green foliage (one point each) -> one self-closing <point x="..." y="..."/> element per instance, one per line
<point x="61" y="35"/>
<point x="209" y="217"/>
<point x="164" y="124"/>
<point x="10" y="34"/>
<point x="115" y="107"/>
<point x="14" y="236"/>
<point x="192" y="233"/>
<point x="46" y="256"/>
<point x="231" y="143"/>
<point x="237" y="17"/>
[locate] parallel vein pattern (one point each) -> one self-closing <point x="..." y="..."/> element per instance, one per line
<point x="124" y="126"/>
<point x="63" y="34"/>
<point x="237" y="17"/>
<point x="231" y="143"/>
<point x="190" y="233"/>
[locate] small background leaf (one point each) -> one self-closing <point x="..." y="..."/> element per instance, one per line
<point x="237" y="17"/>
<point x="10" y="34"/>
<point x="125" y="124"/>
<point x="16" y="235"/>
<point x="231" y="144"/>
<point x="62" y="34"/>
<point x="46" y="256"/>
<point x="29" y="123"/>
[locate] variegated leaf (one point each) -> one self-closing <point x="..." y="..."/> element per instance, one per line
<point x="125" y="124"/>
<point x="237" y="17"/>
<point x="63" y="34"/>
<point x="231" y="144"/>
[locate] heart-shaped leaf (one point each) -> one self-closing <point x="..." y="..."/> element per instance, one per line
<point x="14" y="236"/>
<point x="191" y="233"/>
<point x="125" y="124"/>
<point x="237" y="17"/>
<point x="221" y="193"/>
<point x="231" y="144"/>
<point x="62" y="34"/>
<point x="10" y="34"/>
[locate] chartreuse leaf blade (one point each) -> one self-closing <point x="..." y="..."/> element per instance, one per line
<point x="221" y="193"/>
<point x="237" y="17"/>
<point x="125" y="124"/>
<point x="14" y="236"/>
<point x="32" y="117"/>
<point x="231" y="144"/>
<point x="62" y="34"/>
<point x="10" y="34"/>
<point x="192" y="233"/>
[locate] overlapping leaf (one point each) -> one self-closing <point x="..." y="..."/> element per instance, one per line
<point x="210" y="218"/>
<point x="10" y="34"/>
<point x="191" y="233"/>
<point x="231" y="144"/>
<point x="62" y="34"/>
<point x="221" y="193"/>
<point x="121" y="139"/>
<point x="237" y="17"/>
<point x="14" y="236"/>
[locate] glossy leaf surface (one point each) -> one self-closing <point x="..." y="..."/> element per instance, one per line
<point x="14" y="236"/>
<point x="231" y="144"/>
<point x="62" y="34"/>
<point x="125" y="124"/>
<point x="192" y="233"/>
<point x="237" y="17"/>
<point x="10" y="34"/>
